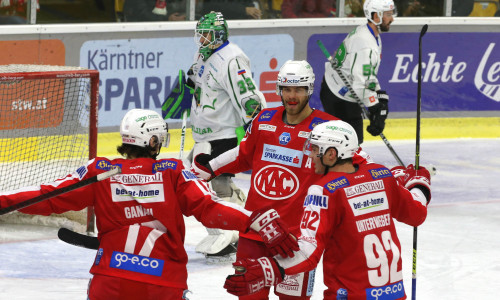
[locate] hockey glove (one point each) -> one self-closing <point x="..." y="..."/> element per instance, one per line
<point x="274" y="232"/>
<point x="399" y="173"/>
<point x="378" y="114"/>
<point x="178" y="100"/>
<point x="420" y="179"/>
<point x="252" y="275"/>
<point x="201" y="166"/>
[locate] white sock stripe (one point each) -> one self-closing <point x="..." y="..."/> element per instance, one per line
<point x="133" y="232"/>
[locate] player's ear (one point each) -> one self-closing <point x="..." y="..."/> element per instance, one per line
<point x="331" y="154"/>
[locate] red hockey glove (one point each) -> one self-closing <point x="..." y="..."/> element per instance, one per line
<point x="274" y="232"/>
<point x="420" y="179"/>
<point x="252" y="275"/>
<point x="201" y="166"/>
<point x="399" y="173"/>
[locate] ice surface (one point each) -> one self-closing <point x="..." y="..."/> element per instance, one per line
<point x="458" y="245"/>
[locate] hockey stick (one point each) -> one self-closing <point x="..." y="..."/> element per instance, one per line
<point x="417" y="158"/>
<point x="60" y="191"/>
<point x="334" y="64"/>
<point x="183" y="134"/>
<point x="78" y="239"/>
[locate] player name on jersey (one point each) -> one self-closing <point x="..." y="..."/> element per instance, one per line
<point x="373" y="222"/>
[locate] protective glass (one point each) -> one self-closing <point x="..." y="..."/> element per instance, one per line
<point x="309" y="148"/>
<point x="391" y="13"/>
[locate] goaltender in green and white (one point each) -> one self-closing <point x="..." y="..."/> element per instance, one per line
<point x="226" y="99"/>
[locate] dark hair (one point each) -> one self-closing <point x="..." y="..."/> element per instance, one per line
<point x="135" y="151"/>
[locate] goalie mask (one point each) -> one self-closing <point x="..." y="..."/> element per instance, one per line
<point x="337" y="134"/>
<point x="144" y="128"/>
<point x="211" y="32"/>
<point x="379" y="7"/>
<point x="296" y="73"/>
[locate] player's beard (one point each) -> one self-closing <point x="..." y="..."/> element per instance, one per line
<point x="300" y="107"/>
<point x="384" y="27"/>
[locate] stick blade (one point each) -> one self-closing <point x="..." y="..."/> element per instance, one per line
<point x="424" y="30"/>
<point x="77" y="239"/>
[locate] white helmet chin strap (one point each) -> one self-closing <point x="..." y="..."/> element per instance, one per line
<point x="379" y="17"/>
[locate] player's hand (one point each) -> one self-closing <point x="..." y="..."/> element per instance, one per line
<point x="378" y="114"/>
<point x="399" y="173"/>
<point x="274" y="232"/>
<point x="252" y="275"/>
<point x="201" y="166"/>
<point x="420" y="179"/>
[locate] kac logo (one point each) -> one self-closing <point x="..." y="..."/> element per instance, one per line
<point x="276" y="182"/>
<point x="285" y="138"/>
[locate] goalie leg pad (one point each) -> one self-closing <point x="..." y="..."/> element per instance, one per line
<point x="215" y="242"/>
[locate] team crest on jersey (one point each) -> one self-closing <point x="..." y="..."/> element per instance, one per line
<point x="276" y="182"/>
<point x="380" y="173"/>
<point x="106" y="165"/>
<point x="337" y="183"/>
<point x="164" y="165"/>
<point x="201" y="71"/>
<point x="285" y="138"/>
<point x="266" y="115"/>
<point x="316" y="121"/>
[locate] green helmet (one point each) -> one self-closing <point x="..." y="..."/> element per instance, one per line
<point x="211" y="32"/>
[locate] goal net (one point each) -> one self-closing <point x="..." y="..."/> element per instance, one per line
<point x="48" y="128"/>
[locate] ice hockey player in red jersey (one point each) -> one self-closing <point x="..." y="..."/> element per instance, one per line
<point x="272" y="148"/>
<point x="348" y="219"/>
<point x="139" y="214"/>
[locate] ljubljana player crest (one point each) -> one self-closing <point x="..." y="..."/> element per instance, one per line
<point x="276" y="182"/>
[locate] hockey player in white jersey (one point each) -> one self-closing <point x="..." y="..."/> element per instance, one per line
<point x="226" y="99"/>
<point x="359" y="57"/>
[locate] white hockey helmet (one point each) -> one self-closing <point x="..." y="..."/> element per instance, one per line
<point x="337" y="134"/>
<point x="378" y="7"/>
<point x="296" y="73"/>
<point x="142" y="127"/>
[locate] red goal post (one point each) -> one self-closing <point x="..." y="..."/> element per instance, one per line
<point x="48" y="128"/>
